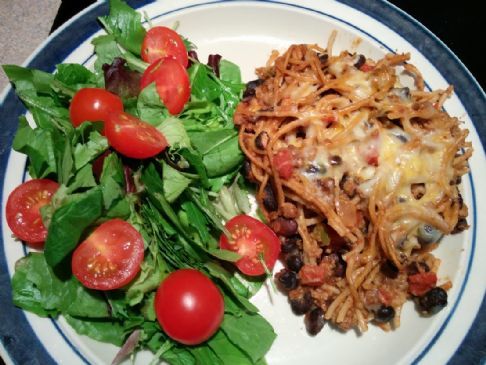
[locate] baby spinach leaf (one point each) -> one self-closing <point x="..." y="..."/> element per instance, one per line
<point x="174" y="182"/>
<point x="223" y="158"/>
<point x="101" y="330"/>
<point x="205" y="142"/>
<point x="106" y="50"/>
<point x="202" y="86"/>
<point x="175" y="133"/>
<point x="36" y="288"/>
<point x="229" y="72"/>
<point x="87" y="152"/>
<point x="251" y="333"/>
<point x="226" y="351"/>
<point x="83" y="179"/>
<point x="29" y="79"/>
<point x="74" y="76"/>
<point x="126" y="25"/>
<point x="149" y="106"/>
<point x="68" y="223"/>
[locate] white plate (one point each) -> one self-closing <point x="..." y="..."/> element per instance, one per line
<point x="245" y="33"/>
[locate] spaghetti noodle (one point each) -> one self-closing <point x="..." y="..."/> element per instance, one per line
<point x="369" y="171"/>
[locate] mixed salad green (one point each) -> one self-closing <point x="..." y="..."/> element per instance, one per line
<point x="177" y="200"/>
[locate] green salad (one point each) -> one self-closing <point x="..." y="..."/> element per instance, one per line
<point x="135" y="180"/>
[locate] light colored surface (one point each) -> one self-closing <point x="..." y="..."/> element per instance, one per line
<point x="24" y="24"/>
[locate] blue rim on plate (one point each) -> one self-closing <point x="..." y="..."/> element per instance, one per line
<point x="66" y="40"/>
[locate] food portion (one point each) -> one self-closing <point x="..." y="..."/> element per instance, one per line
<point x="135" y="180"/>
<point x="359" y="177"/>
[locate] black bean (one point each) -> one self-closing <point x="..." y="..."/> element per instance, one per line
<point x="315" y="169"/>
<point x="460" y="226"/>
<point x="284" y="226"/>
<point x="302" y="304"/>
<point x="456" y="181"/>
<point x="401" y="138"/>
<point x="426" y="234"/>
<point x="323" y="57"/>
<point x="384" y="314"/>
<point x="314" y="321"/>
<point x="403" y="93"/>
<point x="389" y="269"/>
<point x="287" y="280"/>
<point x="361" y="61"/>
<point x="340" y="269"/>
<point x="289" y="244"/>
<point x="247" y="171"/>
<point x="300" y="132"/>
<point x="269" y="200"/>
<point x="460" y="200"/>
<point x="294" y="262"/>
<point x="348" y="185"/>
<point x="417" y="267"/>
<point x="261" y="140"/>
<point x="335" y="160"/>
<point x="433" y="301"/>
<point x="326" y="185"/>
<point x="418" y="190"/>
<point x="251" y="86"/>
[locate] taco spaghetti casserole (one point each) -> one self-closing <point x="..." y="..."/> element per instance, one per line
<point x="359" y="176"/>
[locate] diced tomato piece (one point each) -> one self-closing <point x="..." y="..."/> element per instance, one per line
<point x="421" y="283"/>
<point x="371" y="152"/>
<point x="329" y="118"/>
<point x="313" y="275"/>
<point x="283" y="162"/>
<point x="367" y="68"/>
<point x="372" y="160"/>
<point x="385" y="296"/>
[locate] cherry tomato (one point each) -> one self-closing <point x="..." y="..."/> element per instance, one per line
<point x="283" y="162"/>
<point x="189" y="307"/>
<point x="94" y="105"/>
<point x="132" y="137"/>
<point x="172" y="83"/>
<point x="23" y="210"/>
<point x="110" y="257"/>
<point x="250" y="238"/>
<point x="160" y="42"/>
<point x="421" y="283"/>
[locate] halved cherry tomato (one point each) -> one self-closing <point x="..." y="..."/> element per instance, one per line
<point x="94" y="105"/>
<point x="283" y="162"/>
<point x="110" y="257"/>
<point x="250" y="238"/>
<point x="189" y="307"/>
<point x="132" y="137"/>
<point x="172" y="82"/>
<point x="23" y="210"/>
<point x="160" y="42"/>
<point x="421" y="283"/>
